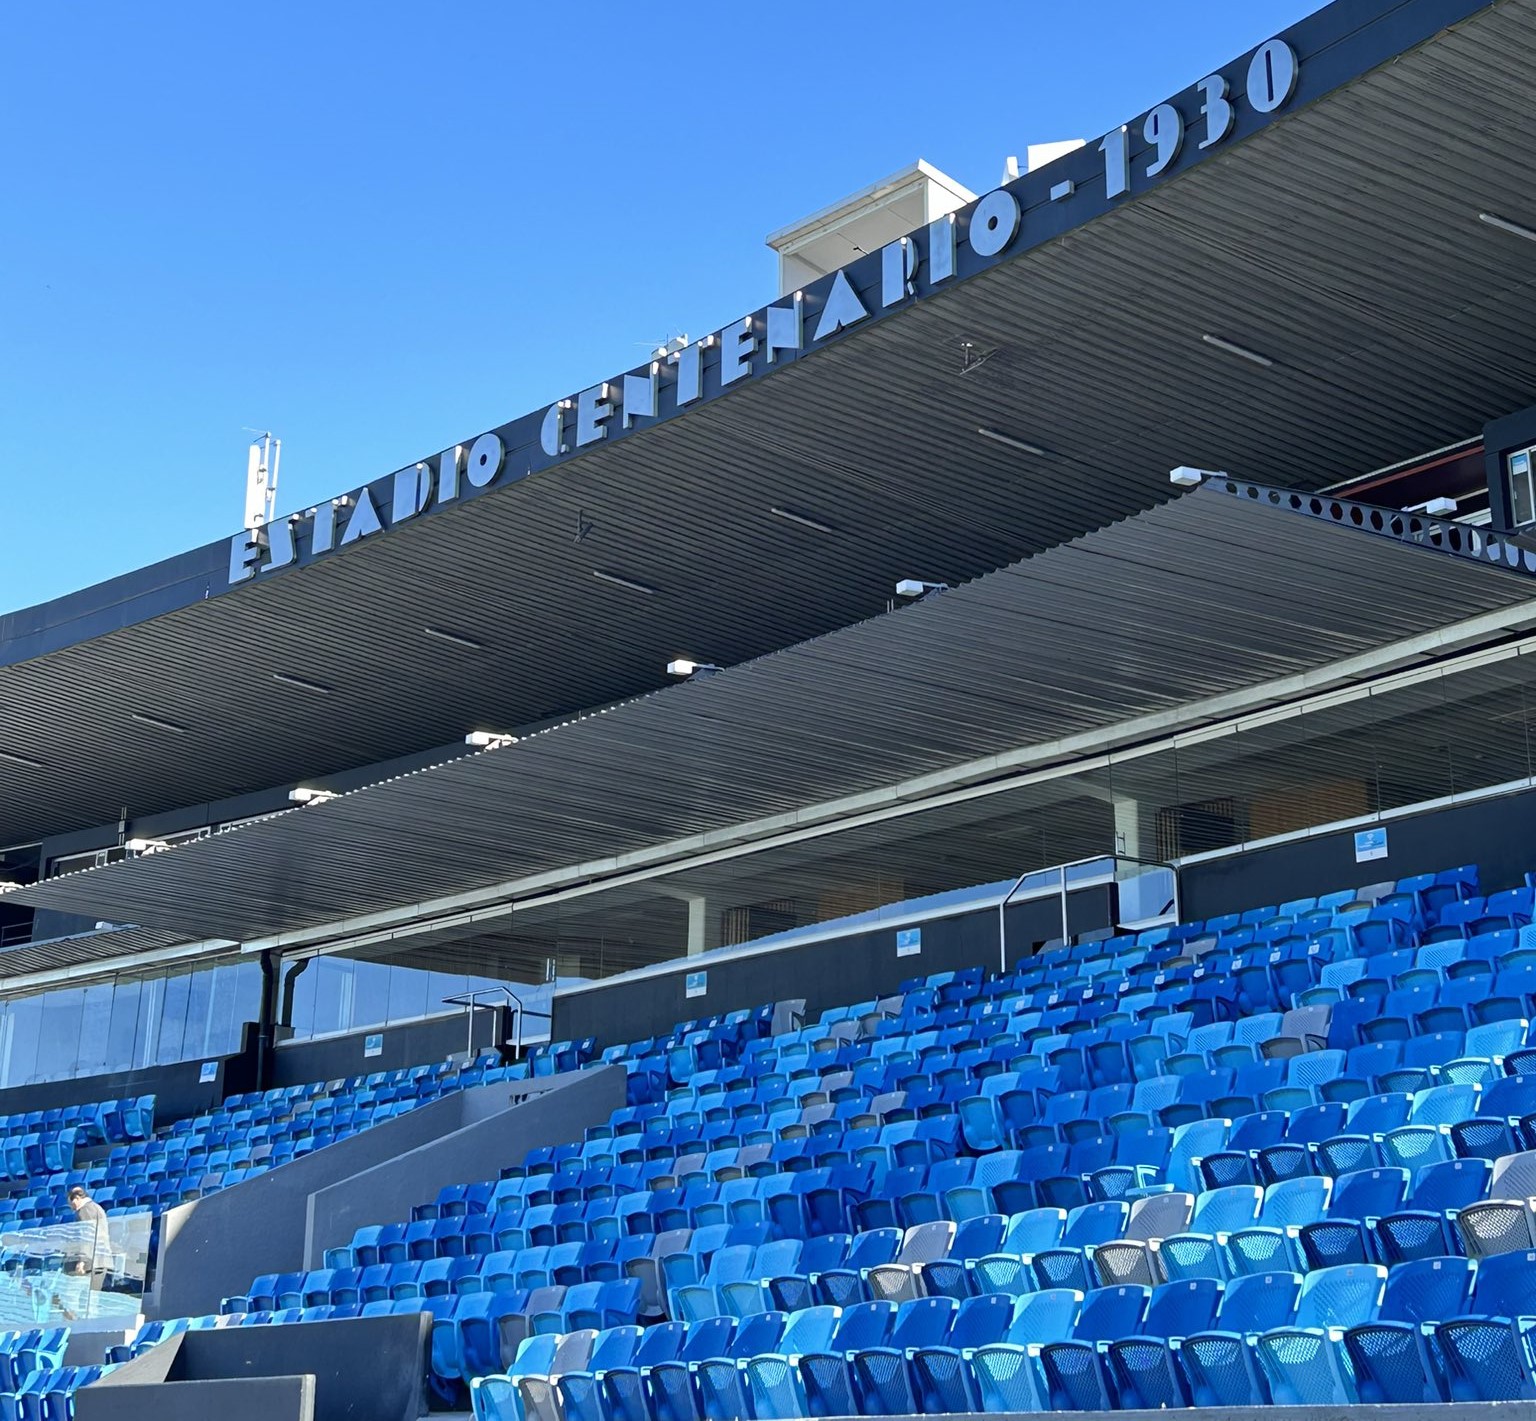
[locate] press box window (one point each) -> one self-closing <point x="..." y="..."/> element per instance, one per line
<point x="1522" y="488"/>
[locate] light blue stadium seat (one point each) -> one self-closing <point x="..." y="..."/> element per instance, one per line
<point x="1287" y="1204"/>
<point x="1005" y="1377"/>
<point x="1304" y="1363"/>
<point x="1073" y="1376"/>
<point x="1391" y="1358"/>
<point x="495" y="1397"/>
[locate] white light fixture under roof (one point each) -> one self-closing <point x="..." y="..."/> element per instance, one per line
<point x="998" y="437"/>
<point x="1515" y="229"/>
<point x="682" y="666"/>
<point x="454" y="638"/>
<point x="301" y="683"/>
<point x="304" y="795"/>
<point x="1440" y="507"/>
<point x="912" y="587"/>
<point x="158" y="722"/>
<point x="626" y="582"/>
<point x="488" y="739"/>
<point x="26" y="761"/>
<point x="802" y="519"/>
<point x="1240" y="351"/>
<point x="1186" y="476"/>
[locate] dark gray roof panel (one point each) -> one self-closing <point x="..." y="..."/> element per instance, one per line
<point x="1341" y="240"/>
<point x="85" y="949"/>
<point x="1228" y="588"/>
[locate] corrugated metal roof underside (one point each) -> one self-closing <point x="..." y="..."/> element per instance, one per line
<point x="81" y="949"/>
<point x="1342" y="242"/>
<point x="1207" y="595"/>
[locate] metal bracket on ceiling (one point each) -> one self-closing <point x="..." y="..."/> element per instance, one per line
<point x="972" y="357"/>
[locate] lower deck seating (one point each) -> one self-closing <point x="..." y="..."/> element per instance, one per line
<point x="35" y="1385"/>
<point x="1285" y="1157"/>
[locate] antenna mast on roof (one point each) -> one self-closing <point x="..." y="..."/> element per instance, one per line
<point x="261" y="480"/>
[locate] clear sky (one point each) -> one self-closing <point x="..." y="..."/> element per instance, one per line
<point x="379" y="229"/>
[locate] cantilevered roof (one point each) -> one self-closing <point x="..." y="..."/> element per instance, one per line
<point x="116" y="946"/>
<point x="1231" y="588"/>
<point x="1340" y="241"/>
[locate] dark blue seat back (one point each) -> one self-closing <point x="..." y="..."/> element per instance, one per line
<point x="1110" y="1313"/>
<point x="1182" y="1308"/>
<point x="1258" y="1302"/>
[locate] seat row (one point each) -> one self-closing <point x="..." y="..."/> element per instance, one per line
<point x="247" y="1135"/>
<point x="47" y="1393"/>
<point x="1437" y="1330"/>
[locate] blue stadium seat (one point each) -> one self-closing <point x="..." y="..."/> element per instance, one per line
<point x="1304" y="1363"/>
<point x="1486" y="1359"/>
<point x="1426" y="1230"/>
<point x="1390" y="1358"/>
<point x="882" y="1380"/>
<point x="1505" y="1285"/>
<point x="665" y="1383"/>
<point x="1220" y="1366"/>
<point x="1074" y="1378"/>
<point x="1004" y="1375"/>
<point x="1143" y="1371"/>
<point x="845" y="1284"/>
<point x="941" y="1375"/>
<point x="824" y="1381"/>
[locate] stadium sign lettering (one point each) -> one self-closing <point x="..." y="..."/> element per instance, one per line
<point x="908" y="268"/>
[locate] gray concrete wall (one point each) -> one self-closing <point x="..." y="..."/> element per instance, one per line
<point x="211" y="1249"/>
<point x="498" y="1137"/>
<point x="86" y="1349"/>
<point x="214" y="1246"/>
<point x="248" y="1399"/>
<point x="148" y="1369"/>
<point x="359" y="1369"/>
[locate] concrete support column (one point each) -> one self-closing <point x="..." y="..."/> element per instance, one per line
<point x="703" y="932"/>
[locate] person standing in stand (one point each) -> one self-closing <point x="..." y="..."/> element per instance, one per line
<point x="98" y="1261"/>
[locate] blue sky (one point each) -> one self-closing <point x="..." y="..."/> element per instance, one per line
<point x="379" y="229"/>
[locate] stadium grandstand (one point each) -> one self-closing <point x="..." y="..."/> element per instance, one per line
<point x="966" y="842"/>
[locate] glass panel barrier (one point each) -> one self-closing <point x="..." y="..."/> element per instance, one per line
<point x="69" y="1272"/>
<point x="1148" y="894"/>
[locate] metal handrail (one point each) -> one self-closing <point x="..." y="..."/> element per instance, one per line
<point x="1113" y="860"/>
<point x="1061" y="870"/>
<point x="471" y="1000"/>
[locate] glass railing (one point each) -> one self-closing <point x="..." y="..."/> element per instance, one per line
<point x="1147" y="894"/>
<point x="69" y="1273"/>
